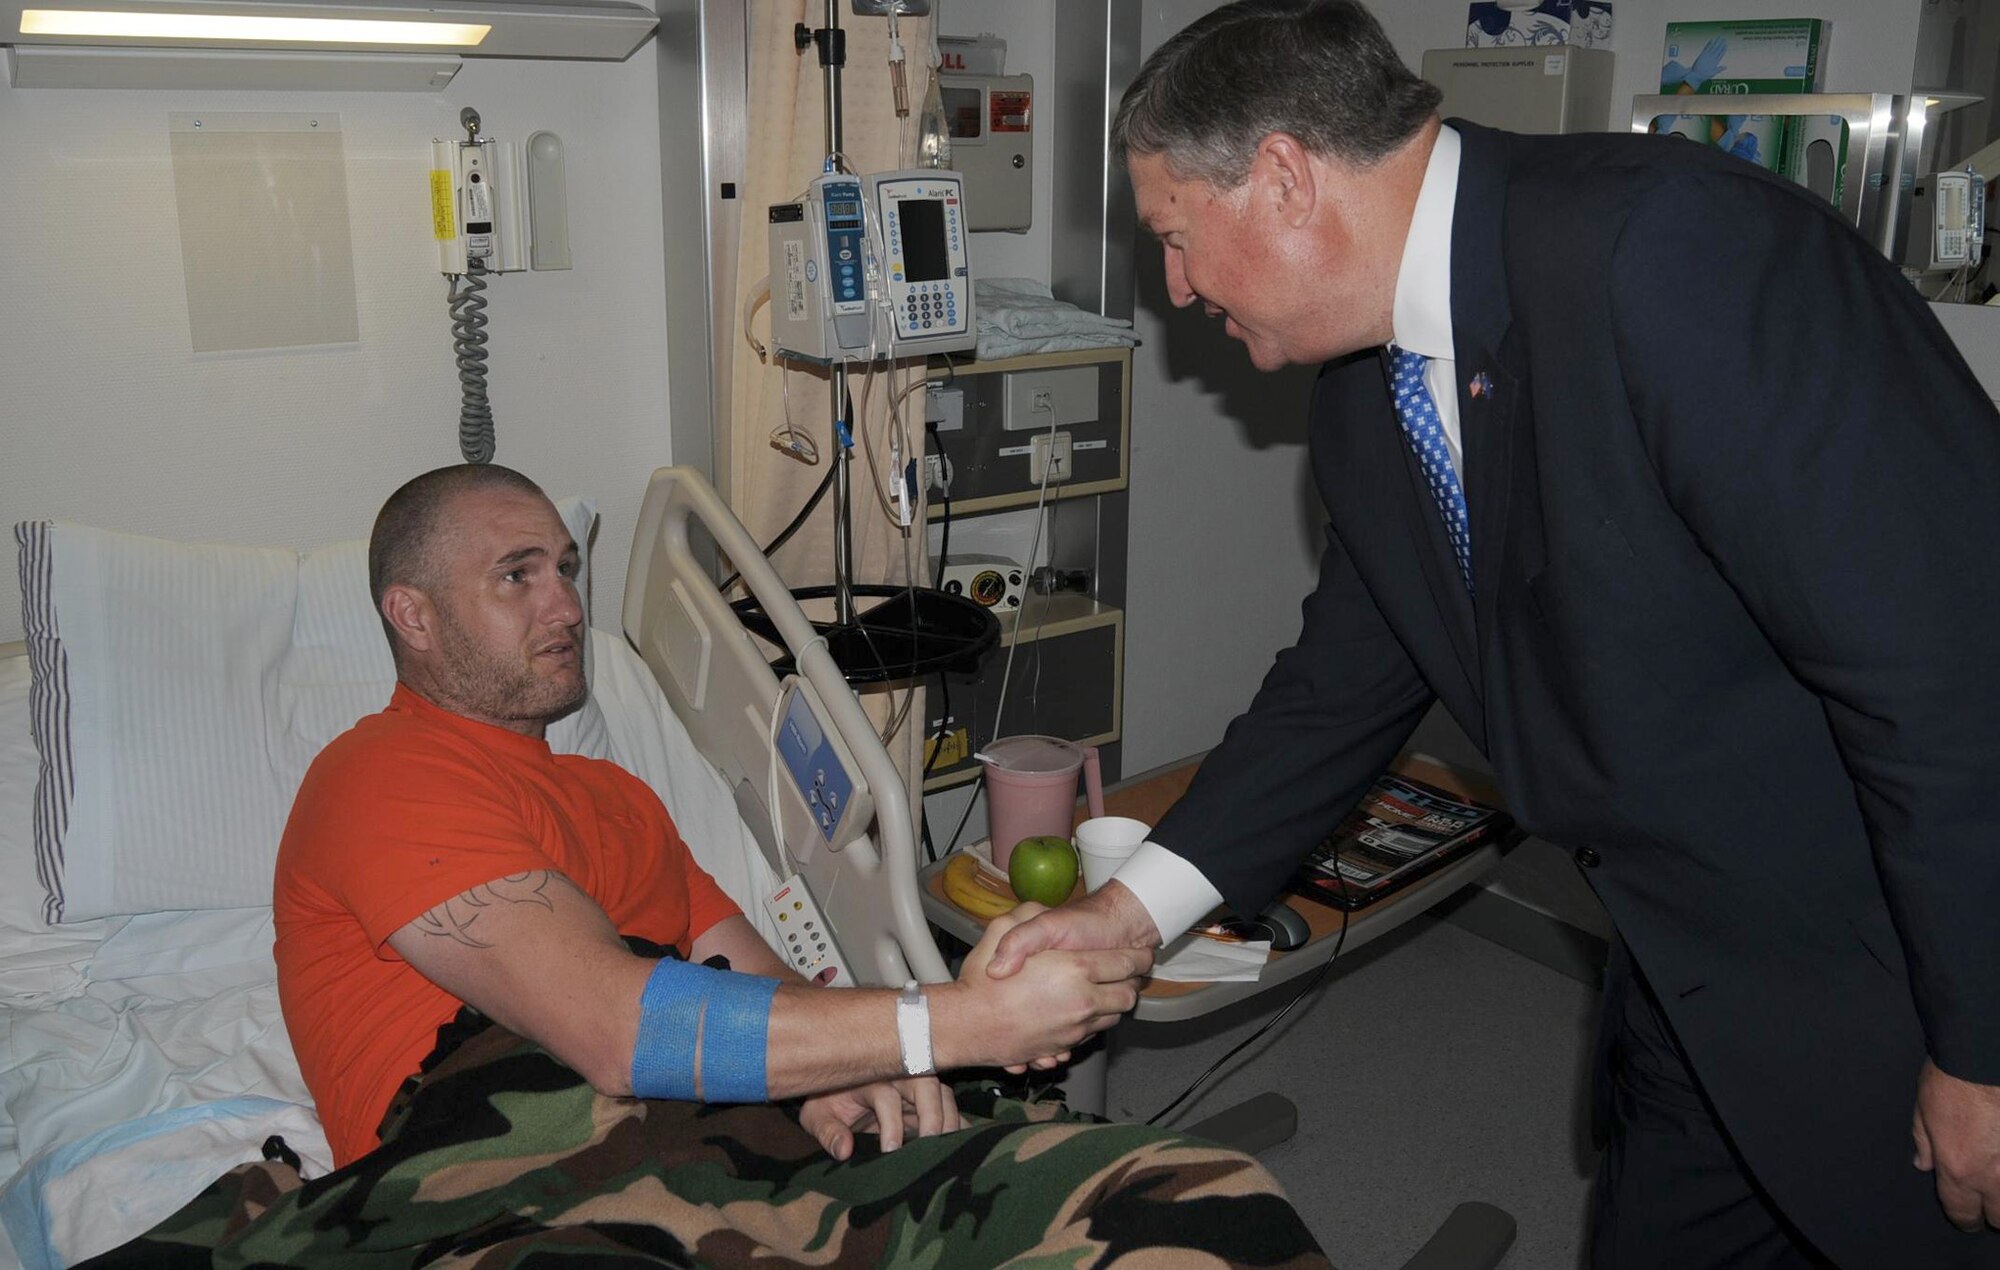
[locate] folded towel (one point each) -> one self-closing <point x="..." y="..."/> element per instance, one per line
<point x="1019" y="316"/>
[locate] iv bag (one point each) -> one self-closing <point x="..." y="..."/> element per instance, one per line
<point x="933" y="129"/>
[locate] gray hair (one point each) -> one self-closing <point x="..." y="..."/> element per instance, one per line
<point x="1321" y="70"/>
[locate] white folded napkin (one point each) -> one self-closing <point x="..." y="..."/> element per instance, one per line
<point x="1197" y="959"/>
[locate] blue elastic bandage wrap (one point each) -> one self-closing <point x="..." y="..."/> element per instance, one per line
<point x="730" y="1013"/>
<point x="734" y="1039"/>
<point x="669" y="1019"/>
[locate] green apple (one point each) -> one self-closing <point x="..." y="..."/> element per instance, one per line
<point x="1043" y="869"/>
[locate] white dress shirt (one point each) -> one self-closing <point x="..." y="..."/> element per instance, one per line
<point x="1172" y="890"/>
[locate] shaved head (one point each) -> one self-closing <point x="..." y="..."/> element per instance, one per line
<point x="403" y="548"/>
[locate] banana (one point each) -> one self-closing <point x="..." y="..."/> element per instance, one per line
<point x="965" y="887"/>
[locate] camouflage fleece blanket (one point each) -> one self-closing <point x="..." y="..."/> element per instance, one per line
<point x="500" y="1156"/>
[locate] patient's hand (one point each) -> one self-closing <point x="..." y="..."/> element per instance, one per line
<point x="1036" y="1015"/>
<point x="1109" y="917"/>
<point x="890" y="1108"/>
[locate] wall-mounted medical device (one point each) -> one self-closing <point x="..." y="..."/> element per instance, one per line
<point x="992" y="125"/>
<point x="478" y="207"/>
<point x="1946" y="226"/>
<point x="871" y="267"/>
<point x="492" y="211"/>
<point x="493" y="202"/>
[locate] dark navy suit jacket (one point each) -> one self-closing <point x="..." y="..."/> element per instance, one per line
<point x="1735" y="507"/>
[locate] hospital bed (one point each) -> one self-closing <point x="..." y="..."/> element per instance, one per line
<point x="180" y="691"/>
<point x="142" y="1052"/>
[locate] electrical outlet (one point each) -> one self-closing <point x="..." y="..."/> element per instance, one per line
<point x="1049" y="458"/>
<point x="944" y="407"/>
<point x="1061" y="397"/>
<point x="937" y="474"/>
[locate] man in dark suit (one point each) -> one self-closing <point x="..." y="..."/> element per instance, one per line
<point x="1678" y="498"/>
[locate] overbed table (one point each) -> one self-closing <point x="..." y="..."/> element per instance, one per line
<point x="1268" y="1117"/>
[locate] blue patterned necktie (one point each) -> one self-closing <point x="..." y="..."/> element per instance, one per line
<point x="1425" y="432"/>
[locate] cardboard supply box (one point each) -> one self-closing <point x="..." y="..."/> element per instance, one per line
<point x="1581" y="23"/>
<point x="1767" y="55"/>
<point x="1770" y="55"/>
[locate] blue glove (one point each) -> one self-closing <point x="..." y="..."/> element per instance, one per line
<point x="1735" y="140"/>
<point x="1707" y="65"/>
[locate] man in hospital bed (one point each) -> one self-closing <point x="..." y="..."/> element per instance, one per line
<point x="439" y="855"/>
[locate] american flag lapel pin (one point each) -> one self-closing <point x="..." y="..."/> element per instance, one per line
<point x="1481" y="385"/>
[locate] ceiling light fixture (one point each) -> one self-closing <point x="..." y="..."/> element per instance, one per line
<point x="245" y="29"/>
<point x="606" y="30"/>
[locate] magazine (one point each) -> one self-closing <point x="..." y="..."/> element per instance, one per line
<point x="1402" y="830"/>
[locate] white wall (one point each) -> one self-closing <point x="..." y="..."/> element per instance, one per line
<point x="109" y="419"/>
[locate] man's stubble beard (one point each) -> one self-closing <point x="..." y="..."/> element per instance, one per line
<point x="518" y="694"/>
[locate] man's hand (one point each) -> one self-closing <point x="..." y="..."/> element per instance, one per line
<point x="1109" y="917"/>
<point x="1052" y="1003"/>
<point x="890" y="1108"/>
<point x="1957" y="1129"/>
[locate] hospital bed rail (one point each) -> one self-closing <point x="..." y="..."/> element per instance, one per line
<point x="719" y="680"/>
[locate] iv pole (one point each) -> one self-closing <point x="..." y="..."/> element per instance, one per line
<point x="915" y="630"/>
<point x="832" y="43"/>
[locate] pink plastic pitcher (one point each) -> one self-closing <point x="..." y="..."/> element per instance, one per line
<point x="1031" y="788"/>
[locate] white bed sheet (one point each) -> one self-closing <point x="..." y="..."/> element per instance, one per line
<point x="151" y="1055"/>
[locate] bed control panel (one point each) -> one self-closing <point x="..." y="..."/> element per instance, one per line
<point x="822" y="801"/>
<point x="805" y="940"/>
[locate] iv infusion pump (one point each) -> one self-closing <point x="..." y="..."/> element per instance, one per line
<point x="870" y="267"/>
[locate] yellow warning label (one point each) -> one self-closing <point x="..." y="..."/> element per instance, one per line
<point x="955" y="745"/>
<point x="443" y="223"/>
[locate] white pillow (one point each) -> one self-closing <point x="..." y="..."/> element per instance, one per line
<point x="39" y="963"/>
<point x="181" y="692"/>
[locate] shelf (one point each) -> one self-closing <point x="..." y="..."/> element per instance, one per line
<point x="1042" y="616"/>
<point x="951" y="368"/>
<point x="1068" y="674"/>
<point x="991" y="462"/>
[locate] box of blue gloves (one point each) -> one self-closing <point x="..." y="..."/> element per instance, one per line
<point x="1771" y="55"/>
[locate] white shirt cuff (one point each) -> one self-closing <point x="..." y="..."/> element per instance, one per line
<point x="1174" y="892"/>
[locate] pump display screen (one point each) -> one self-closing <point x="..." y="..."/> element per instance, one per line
<point x="925" y="258"/>
<point x="847" y="209"/>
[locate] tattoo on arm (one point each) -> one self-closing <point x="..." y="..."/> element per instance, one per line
<point x="455" y="918"/>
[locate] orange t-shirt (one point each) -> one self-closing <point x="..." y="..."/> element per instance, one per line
<point x="407" y="809"/>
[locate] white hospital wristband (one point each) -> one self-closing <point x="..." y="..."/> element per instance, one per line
<point x="913" y="1030"/>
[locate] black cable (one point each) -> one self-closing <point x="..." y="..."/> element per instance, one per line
<point x="798" y="522"/>
<point x="930" y="760"/>
<point x="944" y="684"/>
<point x="1274" y="1020"/>
<point x="944" y="521"/>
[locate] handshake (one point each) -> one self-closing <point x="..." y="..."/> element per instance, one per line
<point x="1041" y="981"/>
